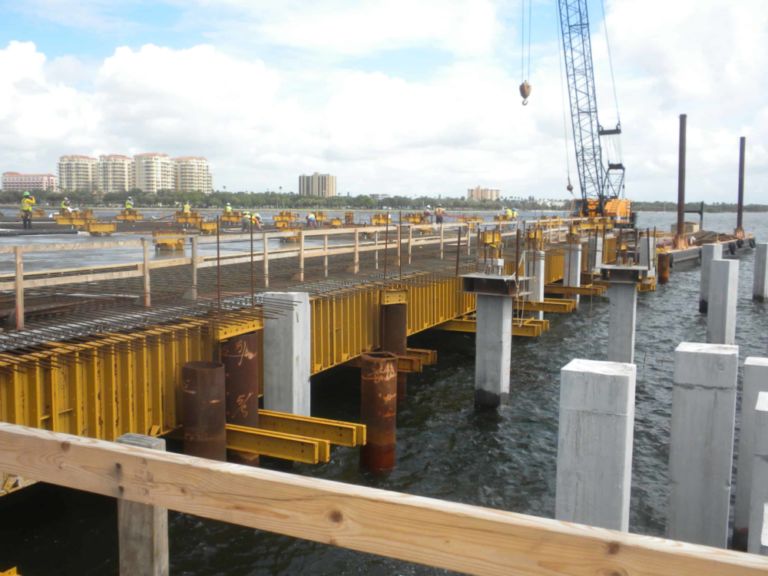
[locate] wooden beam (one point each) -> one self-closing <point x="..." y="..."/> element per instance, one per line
<point x="427" y="531"/>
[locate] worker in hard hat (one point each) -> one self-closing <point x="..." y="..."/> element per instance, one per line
<point x="187" y="208"/>
<point x="27" y="204"/>
<point x="426" y="216"/>
<point x="510" y="213"/>
<point x="256" y="219"/>
<point x="245" y="222"/>
<point x="439" y="215"/>
<point x="228" y="208"/>
<point x="66" y="206"/>
<point x="129" y="203"/>
<point x="311" y="220"/>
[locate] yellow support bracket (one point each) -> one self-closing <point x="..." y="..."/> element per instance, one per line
<point x="521" y="327"/>
<point x="588" y="290"/>
<point x="10" y="572"/>
<point x="394" y="296"/>
<point x="549" y="305"/>
<point x="336" y="432"/>
<point x="278" y="444"/>
<point x="427" y="357"/>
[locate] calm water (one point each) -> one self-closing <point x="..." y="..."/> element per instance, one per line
<point x="445" y="450"/>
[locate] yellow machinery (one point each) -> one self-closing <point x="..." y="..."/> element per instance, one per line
<point x="473" y="221"/>
<point x="192" y="218"/>
<point x="168" y="240"/>
<point x="101" y="228"/>
<point x="77" y="218"/>
<point x="233" y="217"/>
<point x="207" y="227"/>
<point x="381" y="219"/>
<point x="414" y="218"/>
<point x="129" y="215"/>
<point x="349" y="218"/>
<point x="320" y="217"/>
<point x="618" y="209"/>
<point x="336" y="223"/>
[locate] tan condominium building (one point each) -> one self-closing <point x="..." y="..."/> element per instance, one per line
<point x="16" y="182"/>
<point x="115" y="174"/>
<point x="323" y="185"/>
<point x="154" y="171"/>
<point x="478" y="193"/>
<point x="78" y="173"/>
<point x="193" y="174"/>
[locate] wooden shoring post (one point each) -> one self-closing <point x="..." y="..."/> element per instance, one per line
<point x="265" y="257"/>
<point x="417" y="529"/>
<point x="194" y="267"/>
<point x="218" y="265"/>
<point x="18" y="254"/>
<point x="410" y="244"/>
<point x="442" y="242"/>
<point x="301" y="255"/>
<point x="356" y="261"/>
<point x="145" y="273"/>
<point x="376" y="250"/>
<point x="253" y="278"/>
<point x="325" y="255"/>
<point x="399" y="240"/>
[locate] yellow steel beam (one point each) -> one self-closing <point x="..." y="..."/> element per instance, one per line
<point x="589" y="290"/>
<point x="278" y="444"/>
<point x="549" y="305"/>
<point x="521" y="327"/>
<point x="427" y="357"/>
<point x="406" y="363"/>
<point x="336" y="432"/>
<point x="10" y="572"/>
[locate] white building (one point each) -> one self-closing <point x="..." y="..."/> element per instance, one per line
<point x="154" y="171"/>
<point x="322" y="185"/>
<point x="78" y="173"/>
<point x="17" y="182"/>
<point x="480" y="194"/>
<point x="116" y="174"/>
<point x="193" y="174"/>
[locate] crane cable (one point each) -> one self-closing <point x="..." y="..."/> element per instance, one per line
<point x="525" y="47"/>
<point x="610" y="64"/>
<point x="561" y="44"/>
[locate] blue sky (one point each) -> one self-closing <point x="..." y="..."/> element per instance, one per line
<point x="391" y="96"/>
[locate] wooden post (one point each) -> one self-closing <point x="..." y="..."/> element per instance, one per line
<point x="194" y="267"/>
<point x="376" y="249"/>
<point x="399" y="241"/>
<point x="410" y="244"/>
<point x="325" y="256"/>
<point x="142" y="528"/>
<point x="442" y="243"/>
<point x="301" y="255"/>
<point x="18" y="253"/>
<point x="265" y="258"/>
<point x="469" y="240"/>
<point x="356" y="263"/>
<point x="145" y="272"/>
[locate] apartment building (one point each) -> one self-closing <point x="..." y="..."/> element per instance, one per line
<point x="78" y="173"/>
<point x="480" y="194"/>
<point x="17" y="182"/>
<point x="154" y="171"/>
<point x="116" y="174"/>
<point x="322" y="185"/>
<point x="193" y="174"/>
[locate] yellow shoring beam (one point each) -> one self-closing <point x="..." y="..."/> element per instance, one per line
<point x="549" y="305"/>
<point x="278" y="444"/>
<point x="589" y="290"/>
<point x="336" y="432"/>
<point x="521" y="327"/>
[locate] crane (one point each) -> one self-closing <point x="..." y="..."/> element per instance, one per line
<point x="602" y="185"/>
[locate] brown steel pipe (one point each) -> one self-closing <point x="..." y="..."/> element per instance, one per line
<point x="394" y="338"/>
<point x="740" y="205"/>
<point x="680" y="241"/>
<point x="241" y="357"/>
<point x="378" y="411"/>
<point x="203" y="415"/>
<point x="664" y="262"/>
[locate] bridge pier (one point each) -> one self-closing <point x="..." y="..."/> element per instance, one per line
<point x="758" y="502"/>
<point x="493" y="350"/>
<point x="760" y="284"/>
<point x="709" y="253"/>
<point x="721" y="308"/>
<point x="535" y="265"/>
<point x="287" y="354"/>
<point x="572" y="267"/>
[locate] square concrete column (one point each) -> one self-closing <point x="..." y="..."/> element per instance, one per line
<point x="758" y="513"/>
<point x="709" y="252"/>
<point x="647" y="255"/>
<point x="760" y="285"/>
<point x="622" y="295"/>
<point x="755" y="381"/>
<point x="594" y="447"/>
<point x="723" y="294"/>
<point x="701" y="442"/>
<point x="142" y="528"/>
<point x="493" y="350"/>
<point x="595" y="253"/>
<point x="287" y="355"/>
<point x="535" y="270"/>
<point x="572" y="267"/>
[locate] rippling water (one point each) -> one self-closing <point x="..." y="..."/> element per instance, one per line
<point x="445" y="450"/>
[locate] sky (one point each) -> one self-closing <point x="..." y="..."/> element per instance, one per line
<point x="406" y="97"/>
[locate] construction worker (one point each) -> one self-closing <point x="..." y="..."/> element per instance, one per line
<point x="66" y="206"/>
<point x="510" y="213"/>
<point x="27" y="203"/>
<point x="439" y="215"/>
<point x="256" y="219"/>
<point x="311" y="220"/>
<point x="187" y="209"/>
<point x="426" y="217"/>
<point x="129" y="203"/>
<point x="228" y="208"/>
<point x="246" y="221"/>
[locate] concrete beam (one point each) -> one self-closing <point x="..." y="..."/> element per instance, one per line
<point x="287" y="354"/>
<point x="594" y="449"/>
<point x="760" y="283"/>
<point x="755" y="382"/>
<point x="493" y="350"/>
<point x="709" y="252"/>
<point x="723" y="294"/>
<point x="701" y="442"/>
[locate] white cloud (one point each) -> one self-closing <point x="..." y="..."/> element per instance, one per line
<point x="460" y="125"/>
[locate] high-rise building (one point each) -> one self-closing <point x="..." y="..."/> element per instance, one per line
<point x="322" y="185"/>
<point x="154" y="171"/>
<point x="193" y="174"/>
<point x="115" y="174"/>
<point x="78" y="173"/>
<point x="481" y="194"/>
<point x="16" y="182"/>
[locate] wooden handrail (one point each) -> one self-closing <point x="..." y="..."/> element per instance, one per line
<point x="427" y="531"/>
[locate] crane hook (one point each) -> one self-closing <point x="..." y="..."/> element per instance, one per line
<point x="525" y="92"/>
